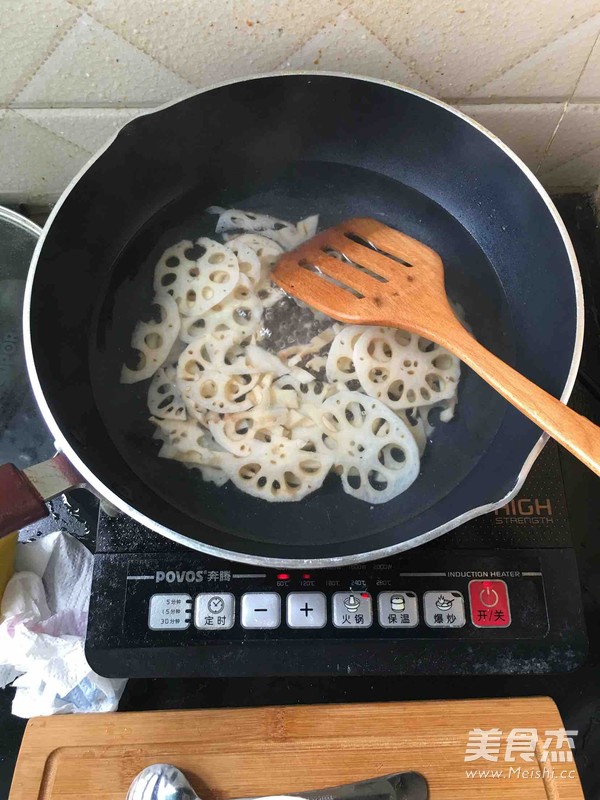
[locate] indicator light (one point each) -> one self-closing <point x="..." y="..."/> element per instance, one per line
<point x="283" y="576"/>
<point x="306" y="576"/>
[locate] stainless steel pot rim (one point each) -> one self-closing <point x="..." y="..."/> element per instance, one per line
<point x="100" y="488"/>
<point x="20" y="221"/>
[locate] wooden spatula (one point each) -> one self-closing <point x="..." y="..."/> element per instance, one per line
<point x="366" y="273"/>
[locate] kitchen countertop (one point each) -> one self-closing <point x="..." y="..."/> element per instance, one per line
<point x="577" y="694"/>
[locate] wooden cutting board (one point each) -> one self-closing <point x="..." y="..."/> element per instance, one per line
<point x="260" y="751"/>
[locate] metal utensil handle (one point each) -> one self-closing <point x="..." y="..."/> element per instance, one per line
<point x="398" y="786"/>
<point x="23" y="492"/>
<point x="166" y="782"/>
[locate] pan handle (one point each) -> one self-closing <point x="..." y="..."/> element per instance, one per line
<point x="23" y="492"/>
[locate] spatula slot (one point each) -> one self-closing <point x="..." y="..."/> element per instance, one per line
<point x="316" y="271"/>
<point x="354" y="237"/>
<point x="330" y="251"/>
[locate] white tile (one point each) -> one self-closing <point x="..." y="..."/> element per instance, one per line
<point x="93" y="66"/>
<point x="41" y="164"/>
<point x="346" y="45"/>
<point x="552" y="72"/>
<point x="213" y="40"/>
<point x="460" y="46"/>
<point x="573" y="159"/>
<point x="28" y="31"/>
<point x="89" y="128"/>
<point x="526" y="128"/>
<point x="588" y="87"/>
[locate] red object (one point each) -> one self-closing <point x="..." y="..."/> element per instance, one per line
<point x="489" y="604"/>
<point x="283" y="576"/>
<point x="366" y="595"/>
<point x="20" y="501"/>
<point x="306" y="576"/>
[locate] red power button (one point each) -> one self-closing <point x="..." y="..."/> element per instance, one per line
<point x="489" y="604"/>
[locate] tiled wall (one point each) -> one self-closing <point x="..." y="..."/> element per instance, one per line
<point x="73" y="71"/>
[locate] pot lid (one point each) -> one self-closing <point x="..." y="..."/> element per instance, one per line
<point x="24" y="437"/>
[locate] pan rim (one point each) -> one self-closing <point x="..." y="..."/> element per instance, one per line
<point x="103" y="491"/>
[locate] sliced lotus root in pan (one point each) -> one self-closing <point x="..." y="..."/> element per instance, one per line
<point x="340" y="364"/>
<point x="235" y="219"/>
<point x="290" y="237"/>
<point x="266" y="249"/>
<point x="164" y="398"/>
<point x="285" y="233"/>
<point x="213" y="472"/>
<point x="174" y="353"/>
<point x="249" y="432"/>
<point x="374" y="452"/>
<point x="183" y="436"/>
<point x="248" y="260"/>
<point x="446" y="409"/>
<point x="314" y="391"/>
<point x="227" y="356"/>
<point x="404" y="370"/>
<point x="213" y="475"/>
<point x="189" y="457"/>
<point x="209" y="474"/>
<point x="216" y="391"/>
<point x="307" y="227"/>
<point x="271" y="422"/>
<point x="197" y="276"/>
<point x="189" y="443"/>
<point x="205" y="352"/>
<point x="268" y="292"/>
<point x="172" y="264"/>
<point x="416" y="425"/>
<point x="268" y="252"/>
<point x="153" y="341"/>
<point x="314" y="346"/>
<point x="239" y="314"/>
<point x="289" y="470"/>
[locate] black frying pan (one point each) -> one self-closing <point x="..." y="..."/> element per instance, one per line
<point x="293" y="145"/>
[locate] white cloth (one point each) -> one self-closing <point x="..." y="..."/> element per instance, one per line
<point x="43" y="619"/>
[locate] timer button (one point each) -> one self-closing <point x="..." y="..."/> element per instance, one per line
<point x="214" y="611"/>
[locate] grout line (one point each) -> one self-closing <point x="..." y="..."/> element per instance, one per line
<point x="53" y="48"/>
<point x="401" y="58"/>
<point x="344" y="4"/>
<point x="574" y="157"/>
<point x="551" y="138"/>
<point x="126" y="39"/>
<point x="511" y="101"/>
<point x="201" y="83"/>
<point x="562" y="116"/>
<point x="77" y="106"/>
<point x="322" y="25"/>
<point x="538" y="50"/>
<point x="587" y="61"/>
<point x="54" y="133"/>
<point x="140" y="104"/>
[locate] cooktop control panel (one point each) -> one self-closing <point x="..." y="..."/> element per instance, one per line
<point x="183" y="603"/>
<point x="216" y="611"/>
<point x="498" y="595"/>
<point x="433" y="612"/>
